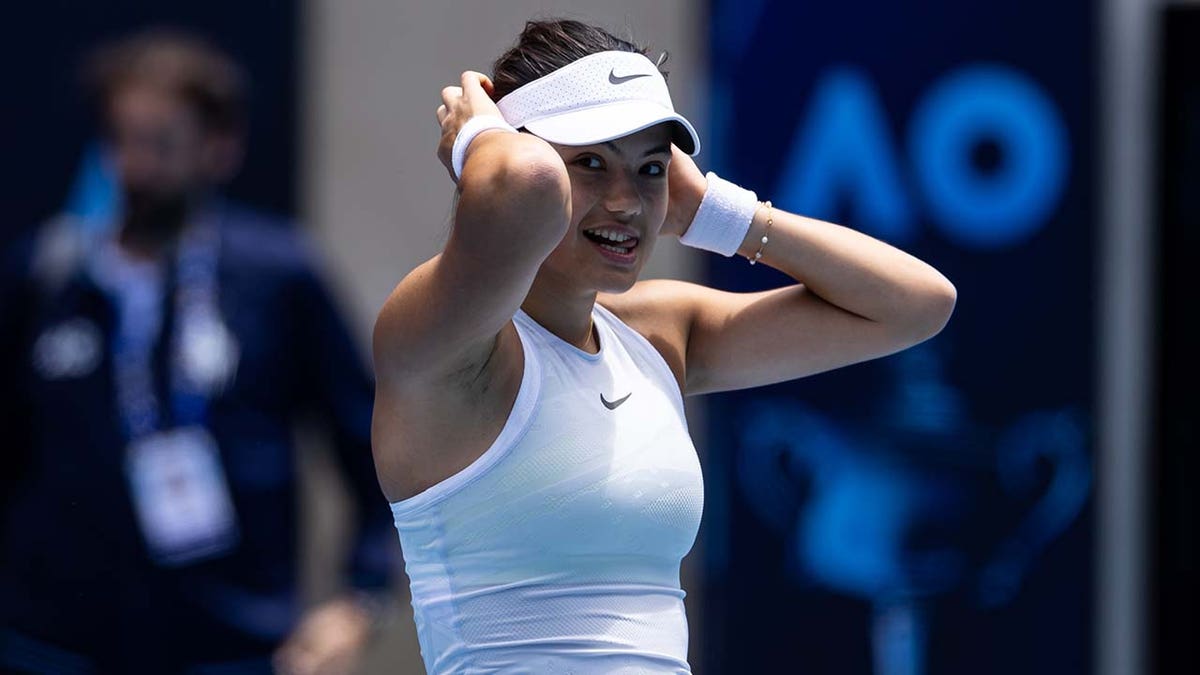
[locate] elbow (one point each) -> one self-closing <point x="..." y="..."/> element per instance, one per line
<point x="542" y="191"/>
<point x="529" y="167"/>
<point x="934" y="309"/>
<point x="522" y="174"/>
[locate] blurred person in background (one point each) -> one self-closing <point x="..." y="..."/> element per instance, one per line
<point x="150" y="378"/>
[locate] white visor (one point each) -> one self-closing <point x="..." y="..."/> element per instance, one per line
<point x="596" y="99"/>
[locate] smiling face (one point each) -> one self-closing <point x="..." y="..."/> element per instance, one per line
<point x="618" y="203"/>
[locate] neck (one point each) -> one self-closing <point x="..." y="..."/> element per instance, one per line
<point x="151" y="229"/>
<point x="147" y="244"/>
<point x="562" y="311"/>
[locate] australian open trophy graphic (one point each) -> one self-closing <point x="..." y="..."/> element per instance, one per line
<point x="916" y="503"/>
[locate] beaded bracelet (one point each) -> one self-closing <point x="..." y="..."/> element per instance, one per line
<point x="763" y="245"/>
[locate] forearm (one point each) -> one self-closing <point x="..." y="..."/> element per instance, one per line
<point x="513" y="209"/>
<point x="851" y="270"/>
<point x="515" y="196"/>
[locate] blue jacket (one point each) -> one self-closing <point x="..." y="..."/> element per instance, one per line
<point x="74" y="569"/>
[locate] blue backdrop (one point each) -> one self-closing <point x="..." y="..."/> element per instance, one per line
<point x="928" y="512"/>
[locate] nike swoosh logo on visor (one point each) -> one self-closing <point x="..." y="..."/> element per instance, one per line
<point x="612" y="405"/>
<point x="613" y="78"/>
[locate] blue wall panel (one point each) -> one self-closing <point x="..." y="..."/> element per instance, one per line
<point x="928" y="512"/>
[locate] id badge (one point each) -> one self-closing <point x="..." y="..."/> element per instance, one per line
<point x="181" y="496"/>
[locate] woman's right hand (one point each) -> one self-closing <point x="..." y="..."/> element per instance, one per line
<point x="460" y="104"/>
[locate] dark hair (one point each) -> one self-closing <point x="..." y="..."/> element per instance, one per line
<point x="545" y="46"/>
<point x="178" y="63"/>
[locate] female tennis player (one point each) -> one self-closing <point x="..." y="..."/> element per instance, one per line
<point x="529" y="425"/>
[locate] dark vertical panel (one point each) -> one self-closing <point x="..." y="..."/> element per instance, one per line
<point x="1175" y="474"/>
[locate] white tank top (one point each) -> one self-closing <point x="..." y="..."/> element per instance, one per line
<point x="558" y="550"/>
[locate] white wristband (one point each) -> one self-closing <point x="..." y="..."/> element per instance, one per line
<point x="473" y="127"/>
<point x="723" y="219"/>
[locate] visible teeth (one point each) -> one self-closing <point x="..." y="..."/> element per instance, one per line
<point x="614" y="249"/>
<point x="611" y="235"/>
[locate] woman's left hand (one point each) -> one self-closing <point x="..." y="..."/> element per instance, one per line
<point x="686" y="186"/>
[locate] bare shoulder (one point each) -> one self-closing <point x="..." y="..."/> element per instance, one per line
<point x="426" y="429"/>
<point x="662" y="311"/>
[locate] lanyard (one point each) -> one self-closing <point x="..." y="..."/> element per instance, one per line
<point x="198" y="346"/>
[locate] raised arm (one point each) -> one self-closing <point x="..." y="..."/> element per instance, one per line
<point x="856" y="298"/>
<point x="513" y="209"/>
